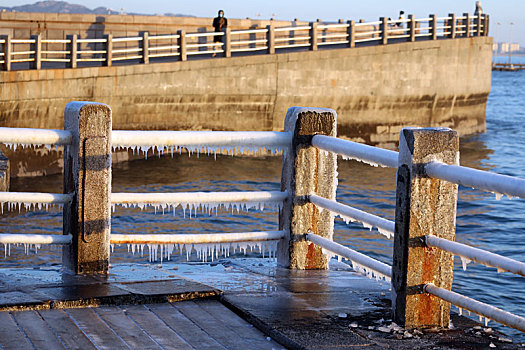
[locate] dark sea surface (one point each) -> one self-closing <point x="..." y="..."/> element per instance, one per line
<point x="482" y="221"/>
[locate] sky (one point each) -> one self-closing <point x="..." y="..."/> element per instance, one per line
<point x="503" y="12"/>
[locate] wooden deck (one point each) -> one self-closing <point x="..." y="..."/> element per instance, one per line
<point x="201" y="324"/>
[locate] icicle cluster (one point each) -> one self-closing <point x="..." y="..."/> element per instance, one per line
<point x="368" y="272"/>
<point x="27" y="248"/>
<point x="29" y="206"/>
<point x="209" y="208"/>
<point x="348" y="219"/>
<point x="208" y="150"/>
<point x="486" y="319"/>
<point x="204" y="251"/>
<point x="362" y="161"/>
<point x="48" y="148"/>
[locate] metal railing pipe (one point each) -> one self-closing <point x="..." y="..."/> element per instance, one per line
<point x="197" y="197"/>
<point x="386" y="227"/>
<point x="350" y="254"/>
<point x="199" y="238"/>
<point x="478" y="255"/>
<point x="28" y="136"/>
<point x="478" y="307"/>
<point x="483" y="180"/>
<point x="35" y="197"/>
<point x="129" y="138"/>
<point x="358" y="151"/>
<point x="18" y="238"/>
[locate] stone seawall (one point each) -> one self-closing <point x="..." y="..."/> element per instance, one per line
<point x="376" y="90"/>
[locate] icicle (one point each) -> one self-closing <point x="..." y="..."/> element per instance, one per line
<point x="465" y="262"/>
<point x="362" y="161"/>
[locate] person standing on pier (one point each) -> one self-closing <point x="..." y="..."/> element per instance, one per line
<point x="219" y="23"/>
<point x="478" y="11"/>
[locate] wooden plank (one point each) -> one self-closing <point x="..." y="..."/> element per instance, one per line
<point x="64" y="327"/>
<point x="215" y="328"/>
<point x="128" y="330"/>
<point x="167" y="337"/>
<point x="188" y="330"/>
<point x="244" y="329"/>
<point x="10" y="335"/>
<point x="37" y="330"/>
<point x="96" y="329"/>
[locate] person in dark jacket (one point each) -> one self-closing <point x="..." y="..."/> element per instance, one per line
<point x="219" y="23"/>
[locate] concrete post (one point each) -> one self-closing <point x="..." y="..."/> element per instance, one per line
<point x="351" y="33"/>
<point x="486" y="20"/>
<point x="4" y="173"/>
<point x="270" y="38"/>
<point x="452" y="28"/>
<point x="227" y="42"/>
<point x="478" y="25"/>
<point x="384" y="30"/>
<point x="7" y="52"/>
<point x="433" y="26"/>
<point x="87" y="174"/>
<point x="37" y="62"/>
<point x="145" y="47"/>
<point x="423" y="206"/>
<point x="306" y="170"/>
<point x="109" y="49"/>
<point x="466" y="23"/>
<point x="182" y="45"/>
<point x="313" y="36"/>
<point x="412" y="27"/>
<point x="73" y="48"/>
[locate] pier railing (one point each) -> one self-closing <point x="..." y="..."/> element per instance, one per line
<point x="37" y="52"/>
<point x="428" y="174"/>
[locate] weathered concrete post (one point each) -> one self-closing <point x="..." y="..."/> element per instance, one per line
<point x="486" y="24"/>
<point x="306" y="170"/>
<point x="87" y="174"/>
<point x="37" y="48"/>
<point x="4" y="172"/>
<point x="412" y="26"/>
<point x="423" y="206"/>
<point x="227" y="42"/>
<point x="351" y="33"/>
<point x="433" y="26"/>
<point x="145" y="47"/>
<point x="7" y="52"/>
<point x="73" y="49"/>
<point x="384" y="30"/>
<point x="313" y="36"/>
<point x="466" y="23"/>
<point x="452" y="25"/>
<point x="270" y="38"/>
<point x="109" y="49"/>
<point x="182" y="45"/>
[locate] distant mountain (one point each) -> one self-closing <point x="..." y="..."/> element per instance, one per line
<point x="52" y="6"/>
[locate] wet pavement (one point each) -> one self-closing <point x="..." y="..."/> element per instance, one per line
<point x="334" y="309"/>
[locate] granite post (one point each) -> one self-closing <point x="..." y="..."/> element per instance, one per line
<point x="306" y="170"/>
<point x="424" y="206"/>
<point x="87" y="175"/>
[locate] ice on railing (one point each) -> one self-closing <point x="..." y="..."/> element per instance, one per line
<point x="198" y="150"/>
<point x="29" y="206"/>
<point x="27" y="248"/>
<point x="369" y="162"/>
<point x="208" y="208"/>
<point x="364" y="270"/>
<point x="347" y="220"/>
<point x="204" y="251"/>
